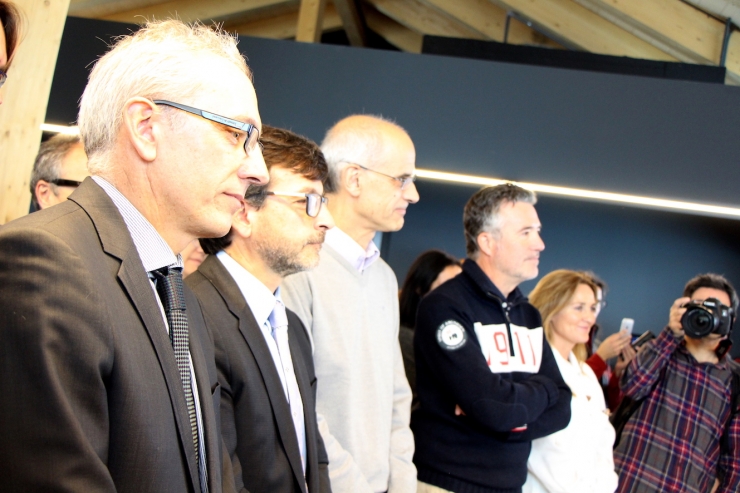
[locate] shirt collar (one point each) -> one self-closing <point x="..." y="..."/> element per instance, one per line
<point x="350" y="250"/>
<point x="154" y="252"/>
<point x="259" y="298"/>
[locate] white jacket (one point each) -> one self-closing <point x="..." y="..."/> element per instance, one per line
<point x="577" y="459"/>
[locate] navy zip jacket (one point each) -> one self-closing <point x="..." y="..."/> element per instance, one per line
<point x="488" y="355"/>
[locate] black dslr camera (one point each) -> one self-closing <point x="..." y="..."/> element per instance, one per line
<point x="706" y="317"/>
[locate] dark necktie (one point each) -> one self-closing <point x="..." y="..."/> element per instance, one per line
<point x="170" y="290"/>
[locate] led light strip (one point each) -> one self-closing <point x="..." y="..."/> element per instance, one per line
<point x="60" y="129"/>
<point x="620" y="198"/>
<point x="676" y="205"/>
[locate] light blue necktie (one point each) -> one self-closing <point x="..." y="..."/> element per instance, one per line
<point x="279" y="323"/>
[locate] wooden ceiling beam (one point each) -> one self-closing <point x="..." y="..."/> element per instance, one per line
<point x="490" y="20"/>
<point x="310" y="21"/>
<point x="353" y="21"/>
<point x="101" y="8"/>
<point x="192" y="10"/>
<point x="685" y="32"/>
<point x="418" y="17"/>
<point x="584" y="28"/>
<point x="395" y="33"/>
<point x="283" y="26"/>
<point x="673" y="26"/>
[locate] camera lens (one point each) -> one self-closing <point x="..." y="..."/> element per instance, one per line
<point x="697" y="321"/>
<point x="700" y="321"/>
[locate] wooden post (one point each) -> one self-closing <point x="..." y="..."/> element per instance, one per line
<point x="25" y="98"/>
<point x="310" y="21"/>
<point x="352" y="19"/>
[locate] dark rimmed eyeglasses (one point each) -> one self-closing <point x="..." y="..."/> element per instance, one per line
<point x="253" y="134"/>
<point x="61" y="182"/>
<point x="3" y="77"/>
<point x="405" y="181"/>
<point x="314" y="201"/>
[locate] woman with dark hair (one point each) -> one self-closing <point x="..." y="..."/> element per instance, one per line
<point x="10" y="21"/>
<point x="429" y="270"/>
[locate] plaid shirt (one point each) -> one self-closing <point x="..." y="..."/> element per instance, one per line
<point x="672" y="441"/>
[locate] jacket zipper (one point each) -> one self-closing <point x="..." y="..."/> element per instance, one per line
<point x="506" y="307"/>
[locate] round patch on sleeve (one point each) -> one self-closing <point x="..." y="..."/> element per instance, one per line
<point x="451" y="335"/>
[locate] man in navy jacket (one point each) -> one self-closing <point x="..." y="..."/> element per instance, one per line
<point x="487" y="380"/>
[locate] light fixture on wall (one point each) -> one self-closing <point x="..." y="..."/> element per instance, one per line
<point x="60" y="129"/>
<point x="620" y="198"/>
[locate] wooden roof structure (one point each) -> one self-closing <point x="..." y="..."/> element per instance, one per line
<point x="666" y="30"/>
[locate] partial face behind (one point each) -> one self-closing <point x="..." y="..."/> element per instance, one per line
<point x="202" y="171"/>
<point x="192" y="257"/>
<point x="447" y="273"/>
<point x="73" y="167"/>
<point x="286" y="238"/>
<point x="517" y="247"/>
<point x="572" y="324"/>
<point x="3" y="55"/>
<point x="383" y="203"/>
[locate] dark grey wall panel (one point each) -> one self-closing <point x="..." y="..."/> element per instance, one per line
<point x="610" y="132"/>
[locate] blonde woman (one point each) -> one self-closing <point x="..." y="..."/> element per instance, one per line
<point x="577" y="459"/>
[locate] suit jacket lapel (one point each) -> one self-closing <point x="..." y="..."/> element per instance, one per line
<point x="116" y="241"/>
<point x="211" y="428"/>
<point x="304" y="385"/>
<point x="216" y="273"/>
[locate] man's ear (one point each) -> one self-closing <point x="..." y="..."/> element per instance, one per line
<point x="243" y="220"/>
<point x="139" y="124"/>
<point x="349" y="179"/>
<point x="44" y="194"/>
<point x="486" y="243"/>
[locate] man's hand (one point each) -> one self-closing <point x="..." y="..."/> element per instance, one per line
<point x="613" y="345"/>
<point x="628" y="352"/>
<point x="677" y="311"/>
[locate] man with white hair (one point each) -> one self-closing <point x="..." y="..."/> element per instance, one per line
<point x="350" y="305"/>
<point x="107" y="374"/>
<point x="59" y="169"/>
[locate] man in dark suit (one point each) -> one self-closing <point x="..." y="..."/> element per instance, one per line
<point x="263" y="354"/>
<point x="107" y="375"/>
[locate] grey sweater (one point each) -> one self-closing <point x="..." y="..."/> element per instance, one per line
<point x="364" y="399"/>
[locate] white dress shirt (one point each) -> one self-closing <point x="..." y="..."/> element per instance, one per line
<point x="261" y="302"/>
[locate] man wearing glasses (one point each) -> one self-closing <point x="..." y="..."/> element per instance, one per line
<point x="350" y="305"/>
<point x="107" y="372"/>
<point x="263" y="353"/>
<point x="59" y="169"/>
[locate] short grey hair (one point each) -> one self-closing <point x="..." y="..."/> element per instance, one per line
<point x="361" y="142"/>
<point x="481" y="213"/>
<point x="48" y="164"/>
<point x="155" y="62"/>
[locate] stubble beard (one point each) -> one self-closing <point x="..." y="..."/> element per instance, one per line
<point x="282" y="260"/>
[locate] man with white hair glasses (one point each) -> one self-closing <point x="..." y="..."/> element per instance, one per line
<point x="350" y="305"/>
<point x="107" y="373"/>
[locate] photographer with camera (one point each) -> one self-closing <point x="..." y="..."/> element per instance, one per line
<point x="683" y="433"/>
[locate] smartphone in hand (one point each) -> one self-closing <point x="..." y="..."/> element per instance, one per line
<point x="627" y="325"/>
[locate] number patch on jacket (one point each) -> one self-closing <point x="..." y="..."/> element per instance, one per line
<point x="522" y="353"/>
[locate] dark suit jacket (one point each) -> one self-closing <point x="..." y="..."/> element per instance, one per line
<point x="92" y="399"/>
<point x="255" y="415"/>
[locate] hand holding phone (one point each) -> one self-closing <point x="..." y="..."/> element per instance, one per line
<point x="627" y="325"/>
